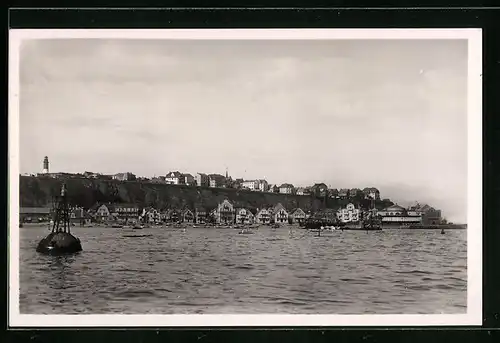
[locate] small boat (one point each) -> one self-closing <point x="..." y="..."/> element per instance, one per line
<point x="137" y="236"/>
<point x="137" y="227"/>
<point x="117" y="226"/>
<point x="442" y="231"/>
<point x="246" y="232"/>
<point x="276" y="226"/>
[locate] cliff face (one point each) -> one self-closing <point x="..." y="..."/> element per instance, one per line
<point x="39" y="192"/>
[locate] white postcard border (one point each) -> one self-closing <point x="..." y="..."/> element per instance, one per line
<point x="474" y="215"/>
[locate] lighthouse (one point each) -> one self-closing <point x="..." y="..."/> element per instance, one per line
<point x="45" y="169"/>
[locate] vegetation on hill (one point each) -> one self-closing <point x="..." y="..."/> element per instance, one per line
<point x="40" y="192"/>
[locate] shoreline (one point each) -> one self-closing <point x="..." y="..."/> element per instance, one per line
<point x="200" y="226"/>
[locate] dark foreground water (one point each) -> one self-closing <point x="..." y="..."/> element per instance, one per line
<point x="272" y="271"/>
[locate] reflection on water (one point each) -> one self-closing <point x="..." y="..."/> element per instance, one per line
<point x="271" y="271"/>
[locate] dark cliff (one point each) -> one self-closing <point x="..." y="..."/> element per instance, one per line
<point x="40" y="192"/>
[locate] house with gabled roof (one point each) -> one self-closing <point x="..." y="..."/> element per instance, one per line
<point x="174" y="178"/>
<point x="244" y="216"/>
<point x="150" y="215"/>
<point x="225" y="212"/>
<point x="297" y="215"/>
<point x="280" y="214"/>
<point x="263" y="216"/>
<point x="104" y="212"/>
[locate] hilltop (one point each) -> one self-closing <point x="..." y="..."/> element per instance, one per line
<point x="40" y="192"/>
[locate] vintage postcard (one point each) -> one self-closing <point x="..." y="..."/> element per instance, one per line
<point x="245" y="177"/>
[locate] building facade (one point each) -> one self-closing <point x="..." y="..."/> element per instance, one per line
<point x="124" y="177"/>
<point x="398" y="216"/>
<point x="298" y="216"/>
<point x="286" y="188"/>
<point x="29" y="214"/>
<point x="263" y="216"/>
<point x="349" y="214"/>
<point x="280" y="214"/>
<point x="200" y="215"/>
<point x="126" y="212"/>
<point x="371" y="193"/>
<point x="202" y="180"/>
<point x="187" y="216"/>
<point x="273" y="189"/>
<point x="244" y="216"/>
<point x="250" y="185"/>
<point x="174" y="178"/>
<point x="320" y="190"/>
<point x="263" y="185"/>
<point x="225" y="213"/>
<point x="217" y="181"/>
<point x="188" y="179"/>
<point x="104" y="212"/>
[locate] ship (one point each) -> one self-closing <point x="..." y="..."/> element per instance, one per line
<point x="60" y="241"/>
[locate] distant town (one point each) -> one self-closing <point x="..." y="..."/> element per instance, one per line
<point x="226" y="212"/>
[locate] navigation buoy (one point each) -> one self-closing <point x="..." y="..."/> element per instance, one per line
<point x="60" y="241"/>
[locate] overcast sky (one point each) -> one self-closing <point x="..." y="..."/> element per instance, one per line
<point x="350" y="113"/>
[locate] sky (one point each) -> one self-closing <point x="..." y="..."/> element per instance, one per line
<point x="391" y="114"/>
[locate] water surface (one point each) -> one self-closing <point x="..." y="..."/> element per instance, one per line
<point x="207" y="270"/>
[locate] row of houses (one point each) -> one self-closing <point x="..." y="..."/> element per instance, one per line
<point x="226" y="213"/>
<point x="221" y="181"/>
<point x="261" y="185"/>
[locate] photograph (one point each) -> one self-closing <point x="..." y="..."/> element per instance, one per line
<point x="245" y="177"/>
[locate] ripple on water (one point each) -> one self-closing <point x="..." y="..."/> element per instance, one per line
<point x="215" y="271"/>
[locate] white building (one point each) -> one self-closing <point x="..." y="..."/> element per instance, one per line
<point x="263" y="216"/>
<point x="286" y="188"/>
<point x="263" y="185"/>
<point x="280" y="214"/>
<point x="349" y="214"/>
<point x="244" y="216"/>
<point x="250" y="184"/>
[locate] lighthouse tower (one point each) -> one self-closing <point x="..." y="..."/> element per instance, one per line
<point x="45" y="169"/>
